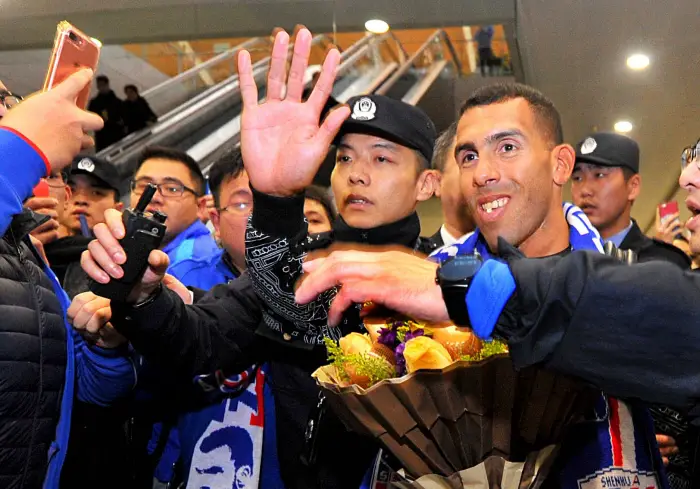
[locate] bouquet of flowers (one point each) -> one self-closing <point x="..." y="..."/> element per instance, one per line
<point x="449" y="407"/>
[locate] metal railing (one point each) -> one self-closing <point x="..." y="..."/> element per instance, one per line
<point x="424" y="55"/>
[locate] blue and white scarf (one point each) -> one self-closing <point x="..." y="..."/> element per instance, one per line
<point x="582" y="236"/>
<point x="617" y="447"/>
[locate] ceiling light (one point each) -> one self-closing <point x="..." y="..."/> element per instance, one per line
<point x="376" y="26"/>
<point x="638" y="61"/>
<point x="623" y="126"/>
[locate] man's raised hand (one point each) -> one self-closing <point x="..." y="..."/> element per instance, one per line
<point x="282" y="143"/>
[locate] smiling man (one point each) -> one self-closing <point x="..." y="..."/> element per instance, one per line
<point x="513" y="167"/>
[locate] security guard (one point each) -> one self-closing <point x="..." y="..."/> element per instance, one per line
<point x="605" y="184"/>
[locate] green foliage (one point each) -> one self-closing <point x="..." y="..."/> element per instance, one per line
<point x="489" y="349"/>
<point x="374" y="367"/>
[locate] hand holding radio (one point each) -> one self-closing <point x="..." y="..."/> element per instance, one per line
<point x="124" y="261"/>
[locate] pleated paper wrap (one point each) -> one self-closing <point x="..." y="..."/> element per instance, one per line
<point x="468" y="425"/>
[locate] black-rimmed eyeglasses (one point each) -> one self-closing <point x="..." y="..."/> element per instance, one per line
<point x="166" y="189"/>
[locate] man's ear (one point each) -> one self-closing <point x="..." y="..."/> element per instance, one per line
<point x="564" y="157"/>
<point x="438" y="185"/>
<point x="427" y="185"/>
<point x="634" y="187"/>
<point x="216" y="222"/>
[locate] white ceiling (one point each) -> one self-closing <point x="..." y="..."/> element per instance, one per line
<point x="575" y="51"/>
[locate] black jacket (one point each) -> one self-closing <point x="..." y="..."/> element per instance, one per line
<point x="435" y="241"/>
<point x="667" y="420"/>
<point x="137" y="114"/>
<point x="32" y="351"/>
<point x="630" y="330"/>
<point x="110" y="108"/>
<point x="64" y="252"/>
<point x="649" y="249"/>
<point x="231" y="328"/>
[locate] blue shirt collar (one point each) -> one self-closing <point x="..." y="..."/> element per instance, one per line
<point x="618" y="238"/>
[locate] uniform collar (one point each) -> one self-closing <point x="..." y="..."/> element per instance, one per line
<point x="618" y="238"/>
<point x="403" y="232"/>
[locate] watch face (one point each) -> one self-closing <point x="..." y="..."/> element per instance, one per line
<point x="460" y="267"/>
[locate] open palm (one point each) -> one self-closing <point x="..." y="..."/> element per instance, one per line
<point x="282" y="142"/>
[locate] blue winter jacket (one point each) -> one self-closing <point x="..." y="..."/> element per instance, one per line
<point x="93" y="374"/>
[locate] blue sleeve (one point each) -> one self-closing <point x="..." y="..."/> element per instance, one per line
<point x="17" y="153"/>
<point x="103" y="375"/>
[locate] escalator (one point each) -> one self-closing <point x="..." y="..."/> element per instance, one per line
<point x="423" y="69"/>
<point x="175" y="98"/>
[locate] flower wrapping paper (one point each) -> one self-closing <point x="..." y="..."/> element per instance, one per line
<point x="480" y="421"/>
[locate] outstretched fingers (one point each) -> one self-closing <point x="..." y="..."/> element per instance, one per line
<point x="277" y="76"/>
<point x="249" y="91"/>
<point x="300" y="61"/>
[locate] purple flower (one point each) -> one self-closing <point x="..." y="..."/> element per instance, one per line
<point x="387" y="337"/>
<point x="400" y="360"/>
<point x="414" y="334"/>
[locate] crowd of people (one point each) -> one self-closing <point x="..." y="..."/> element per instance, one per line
<point x="201" y="378"/>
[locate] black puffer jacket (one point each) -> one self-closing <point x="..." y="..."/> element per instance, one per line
<point x="32" y="359"/>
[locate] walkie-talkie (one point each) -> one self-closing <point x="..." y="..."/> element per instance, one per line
<point x="144" y="233"/>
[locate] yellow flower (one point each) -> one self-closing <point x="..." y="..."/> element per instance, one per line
<point x="425" y="353"/>
<point x="355" y="343"/>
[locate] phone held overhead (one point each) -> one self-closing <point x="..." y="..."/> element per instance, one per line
<point x="73" y="50"/>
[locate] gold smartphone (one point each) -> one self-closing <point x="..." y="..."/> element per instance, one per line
<point x="72" y="51"/>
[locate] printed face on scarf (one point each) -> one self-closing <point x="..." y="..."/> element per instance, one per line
<point x="511" y="172"/>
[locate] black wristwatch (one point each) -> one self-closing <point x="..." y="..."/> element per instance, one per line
<point x="454" y="276"/>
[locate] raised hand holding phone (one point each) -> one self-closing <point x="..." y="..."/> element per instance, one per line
<point x="72" y="51"/>
<point x="668" y="224"/>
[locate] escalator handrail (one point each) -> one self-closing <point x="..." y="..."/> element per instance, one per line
<point x="438" y="34"/>
<point x="113" y="151"/>
<point x="350" y="56"/>
<point x="228" y="87"/>
<point x="195" y="70"/>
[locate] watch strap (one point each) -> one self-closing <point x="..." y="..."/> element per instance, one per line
<point x="455" y="296"/>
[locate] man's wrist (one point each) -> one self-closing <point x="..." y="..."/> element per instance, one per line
<point x="144" y="301"/>
<point x="278" y="216"/>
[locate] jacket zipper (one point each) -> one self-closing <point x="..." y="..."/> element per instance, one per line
<point x="26" y="269"/>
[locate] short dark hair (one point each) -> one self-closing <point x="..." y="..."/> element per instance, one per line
<point x="131" y="87"/>
<point x="443" y="144"/>
<point x="102" y="78"/>
<point x="228" y="166"/>
<point x="628" y="173"/>
<point x="173" y="154"/>
<point x="543" y="108"/>
<point x="320" y="195"/>
<point x="423" y="163"/>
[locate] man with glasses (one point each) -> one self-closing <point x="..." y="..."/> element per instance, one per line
<point x="233" y="202"/>
<point x="180" y="188"/>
